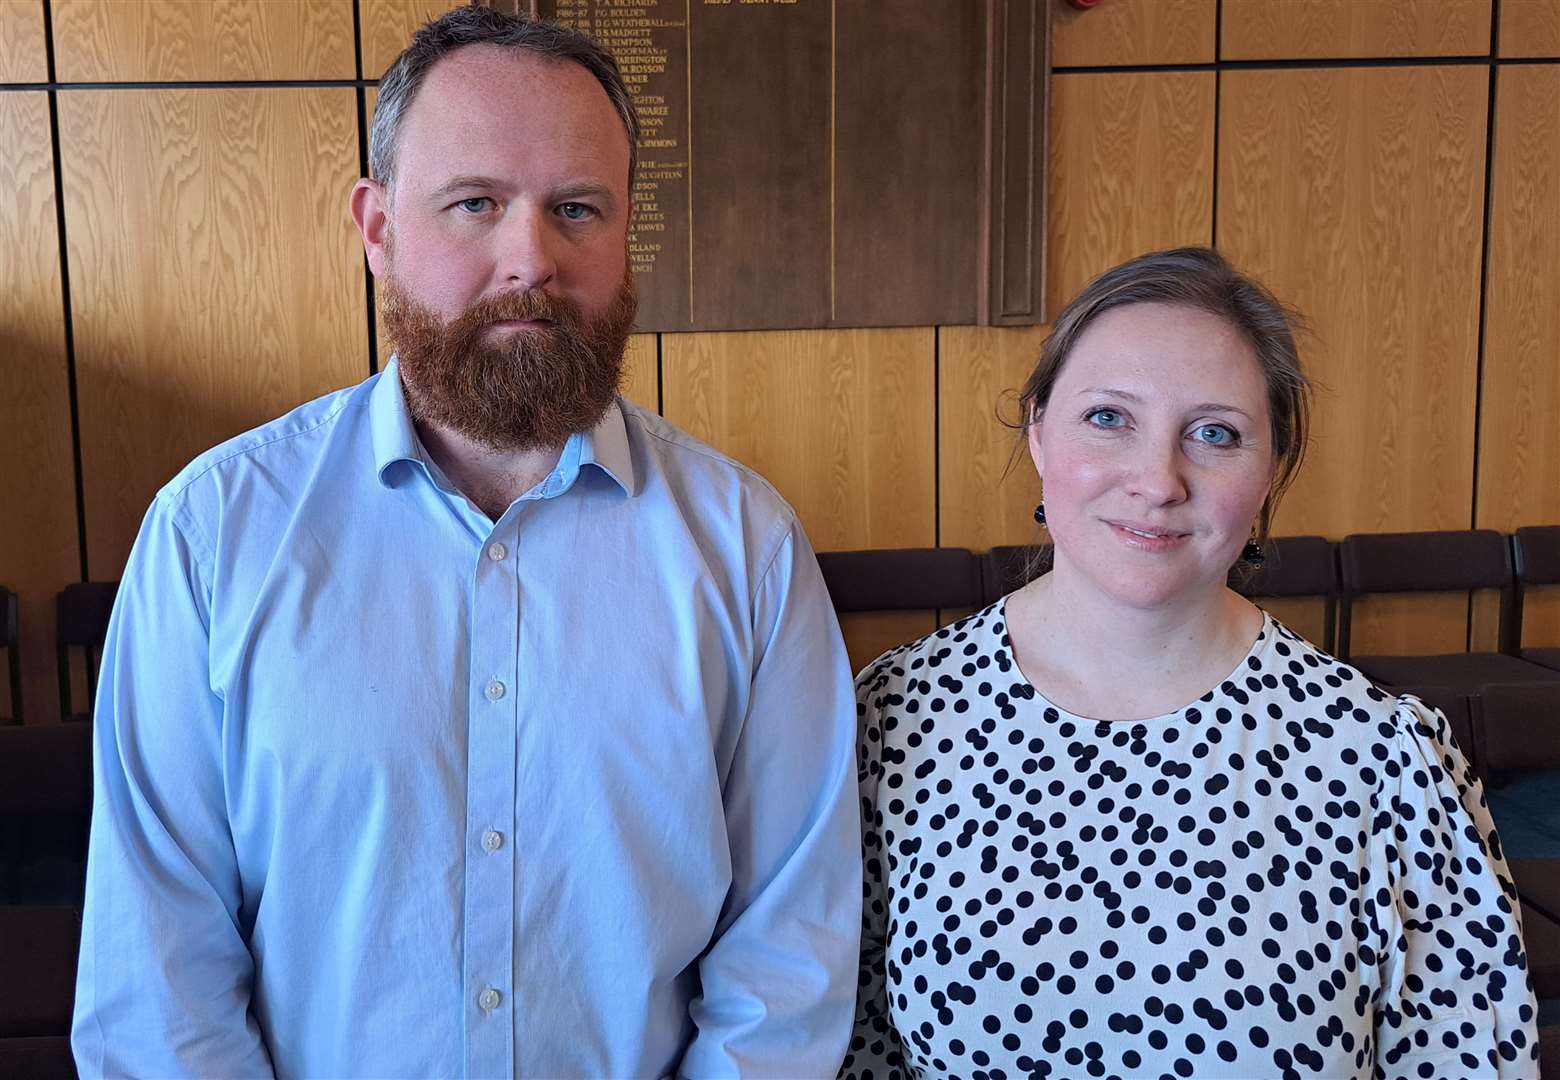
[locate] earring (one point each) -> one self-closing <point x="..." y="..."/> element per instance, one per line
<point x="1040" y="514"/>
<point x="1252" y="553"/>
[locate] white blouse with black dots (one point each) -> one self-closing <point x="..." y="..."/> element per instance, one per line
<point x="1294" y="876"/>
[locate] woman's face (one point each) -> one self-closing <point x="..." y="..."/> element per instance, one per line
<point x="1155" y="452"/>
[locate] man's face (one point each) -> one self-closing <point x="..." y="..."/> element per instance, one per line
<point x="502" y="247"/>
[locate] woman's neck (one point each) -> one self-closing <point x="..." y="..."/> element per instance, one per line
<point x="1106" y="660"/>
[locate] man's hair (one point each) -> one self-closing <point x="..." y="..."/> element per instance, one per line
<point x="1202" y="279"/>
<point x="477" y="25"/>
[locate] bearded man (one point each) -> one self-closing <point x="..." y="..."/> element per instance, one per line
<point x="473" y="721"/>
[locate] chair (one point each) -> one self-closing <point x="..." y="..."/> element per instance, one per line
<point x="1003" y="569"/>
<point x="45" y="809"/>
<point x="39" y="947"/>
<point x="903" y="579"/>
<point x="81" y="622"/>
<point x="8" y="641"/>
<point x="1536" y="550"/>
<point x="1432" y="562"/>
<point x="1295" y="566"/>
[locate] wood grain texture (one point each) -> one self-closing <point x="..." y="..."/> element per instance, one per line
<point x="23" y="51"/>
<point x="1519" y="436"/>
<point x="1305" y="615"/>
<point x="1131" y="171"/>
<point x="1134" y="32"/>
<point x="1355" y="194"/>
<point x="1529" y="28"/>
<point x="870" y="634"/>
<point x="1411" y="624"/>
<point x="196" y="40"/>
<point x="839" y="421"/>
<point x="38" y="546"/>
<point x="1347" y="29"/>
<point x="216" y="280"/>
<point x="982" y="503"/>
<point x="387" y="27"/>
<point x="641" y="377"/>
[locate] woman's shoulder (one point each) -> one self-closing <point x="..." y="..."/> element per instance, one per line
<point x="976" y="641"/>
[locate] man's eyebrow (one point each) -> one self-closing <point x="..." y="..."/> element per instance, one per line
<point x="464" y="183"/>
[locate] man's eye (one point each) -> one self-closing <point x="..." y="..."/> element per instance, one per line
<point x="476" y="204"/>
<point x="1215" y="435"/>
<point x="1105" y="418"/>
<point x="575" y="211"/>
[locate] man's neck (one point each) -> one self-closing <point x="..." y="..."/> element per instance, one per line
<point x="491" y="479"/>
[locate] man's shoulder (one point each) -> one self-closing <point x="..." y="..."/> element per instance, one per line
<point x="682" y="459"/>
<point x="295" y="434"/>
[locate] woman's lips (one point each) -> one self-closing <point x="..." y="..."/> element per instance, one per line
<point x="1153" y="538"/>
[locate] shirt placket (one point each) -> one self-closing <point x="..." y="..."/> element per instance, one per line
<point x="492" y="730"/>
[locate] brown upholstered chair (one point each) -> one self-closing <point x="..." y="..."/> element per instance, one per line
<point x="1537" y="554"/>
<point x="45" y="810"/>
<point x="81" y="624"/>
<point x="1003" y="569"/>
<point x="1457" y="561"/>
<point x="1295" y="566"/>
<point x="902" y="579"/>
<point x="38" y="951"/>
<point x="13" y="663"/>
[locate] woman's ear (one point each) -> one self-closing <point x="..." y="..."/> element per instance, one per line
<point x="1032" y="436"/>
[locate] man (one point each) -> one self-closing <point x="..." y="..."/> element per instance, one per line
<point x="472" y="721"/>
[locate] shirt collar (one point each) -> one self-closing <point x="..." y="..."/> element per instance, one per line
<point x="395" y="439"/>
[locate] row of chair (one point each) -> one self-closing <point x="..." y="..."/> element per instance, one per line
<point x="1338" y="574"/>
<point x="81" y="612"/>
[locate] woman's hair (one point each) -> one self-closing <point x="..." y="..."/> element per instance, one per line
<point x="1202" y="279"/>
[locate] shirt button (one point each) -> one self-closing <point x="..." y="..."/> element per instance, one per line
<point x="489" y="999"/>
<point x="495" y="690"/>
<point x="497" y="551"/>
<point x="492" y="840"/>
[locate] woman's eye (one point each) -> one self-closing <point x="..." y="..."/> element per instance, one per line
<point x="1215" y="435"/>
<point x="575" y="211"/>
<point x="1105" y="418"/>
<point x="475" y="205"/>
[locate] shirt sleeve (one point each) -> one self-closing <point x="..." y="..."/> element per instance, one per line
<point x="1455" y="998"/>
<point x="875" y="1051"/>
<point x="165" y="976"/>
<point x="778" y="981"/>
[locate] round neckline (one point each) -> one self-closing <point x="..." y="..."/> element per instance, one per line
<point x="1265" y="635"/>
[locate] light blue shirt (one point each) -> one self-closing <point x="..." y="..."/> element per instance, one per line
<point x="385" y="788"/>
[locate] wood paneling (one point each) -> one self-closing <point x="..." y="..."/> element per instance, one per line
<point x="1134" y="32"/>
<point x="1410" y="624"/>
<point x="388" y="26"/>
<point x="981" y="502"/>
<point x="1519" y="435"/>
<point x="1529" y="28"/>
<point x="1343" y="29"/>
<point x="1305" y="615"/>
<point x="1355" y="194"/>
<point x="38" y="547"/>
<point x="641" y="379"/>
<point x="215" y="277"/>
<point x="185" y="40"/>
<point x="839" y="421"/>
<point x="870" y="634"/>
<point x="23" y="53"/>
<point x="1131" y="171"/>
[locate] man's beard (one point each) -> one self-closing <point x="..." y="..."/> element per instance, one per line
<point x="523" y="390"/>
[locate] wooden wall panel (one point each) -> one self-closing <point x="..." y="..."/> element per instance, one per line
<point x="1131" y="171"/>
<point x="641" y="376"/>
<point x="215" y="277"/>
<point x="981" y="503"/>
<point x="23" y="51"/>
<point x="1519" y="433"/>
<point x="870" y="634"/>
<point x="198" y="40"/>
<point x="388" y="26"/>
<point x="1342" y="29"/>
<point x="839" y="421"/>
<point x="1134" y="32"/>
<point x="1356" y="195"/>
<point x="38" y="546"/>
<point x="1529" y="28"/>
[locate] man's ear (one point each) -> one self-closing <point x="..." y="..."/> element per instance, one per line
<point x="370" y="203"/>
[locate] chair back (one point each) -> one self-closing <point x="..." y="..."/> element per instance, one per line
<point x="81" y="615"/>
<point x="9" y="613"/>
<point x="1295" y="566"/>
<point x="1003" y="569"/>
<point x="1518" y="726"/>
<point x="1456" y="561"/>
<point x="903" y="579"/>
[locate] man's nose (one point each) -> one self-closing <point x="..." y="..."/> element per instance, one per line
<point x="1157" y="473"/>
<point x="527" y="259"/>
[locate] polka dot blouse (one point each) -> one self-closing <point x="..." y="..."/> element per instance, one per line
<point x="1294" y="876"/>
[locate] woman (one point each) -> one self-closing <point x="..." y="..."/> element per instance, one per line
<point x="1123" y="823"/>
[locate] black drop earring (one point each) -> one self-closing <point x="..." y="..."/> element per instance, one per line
<point x="1040" y="514"/>
<point x="1252" y="553"/>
